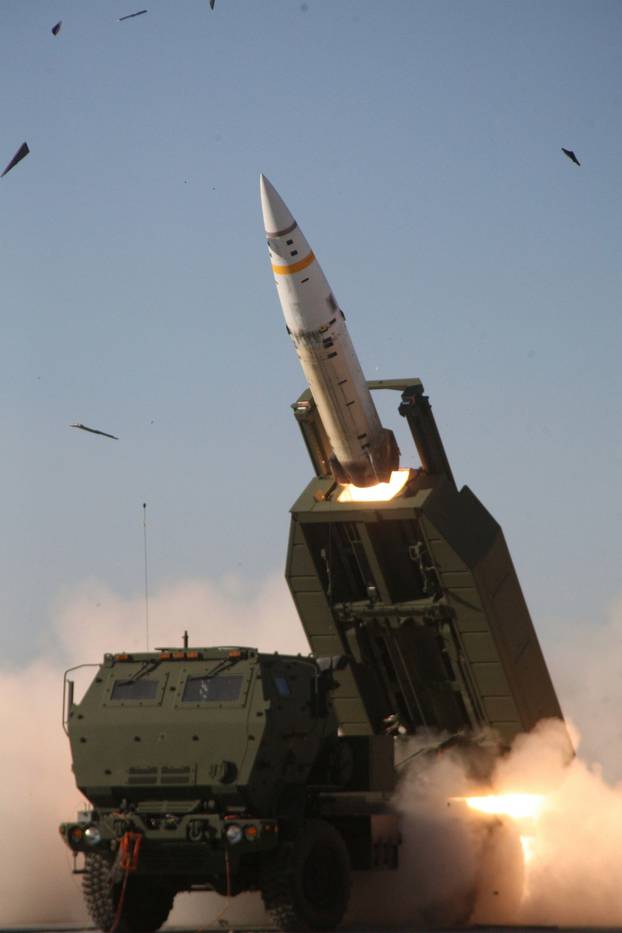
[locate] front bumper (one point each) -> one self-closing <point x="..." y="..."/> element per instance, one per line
<point x="190" y="844"/>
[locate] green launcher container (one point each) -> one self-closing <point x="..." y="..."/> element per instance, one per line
<point x="419" y="592"/>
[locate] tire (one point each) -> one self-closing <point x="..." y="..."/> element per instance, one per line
<point x="305" y="886"/>
<point x="146" y="905"/>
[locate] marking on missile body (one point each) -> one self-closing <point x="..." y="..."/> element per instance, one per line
<point x="83" y="427"/>
<point x="283" y="232"/>
<point x="570" y="154"/>
<point x="56" y="27"/>
<point x="295" y="267"/>
<point x="21" y="153"/>
<point x="132" y="15"/>
<point x="325" y="327"/>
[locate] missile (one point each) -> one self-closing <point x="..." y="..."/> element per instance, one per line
<point x="364" y="453"/>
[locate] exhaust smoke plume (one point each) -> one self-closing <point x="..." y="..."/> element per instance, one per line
<point x="572" y="876"/>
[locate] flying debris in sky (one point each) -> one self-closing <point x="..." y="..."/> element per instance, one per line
<point x="21" y="153"/>
<point x="211" y="4"/>
<point x="83" y="427"/>
<point x="56" y="27"/>
<point x="132" y="15"/>
<point x="571" y="155"/>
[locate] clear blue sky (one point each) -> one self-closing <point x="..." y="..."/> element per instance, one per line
<point x="418" y="145"/>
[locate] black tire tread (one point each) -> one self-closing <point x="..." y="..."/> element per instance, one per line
<point x="146" y="906"/>
<point x="276" y="892"/>
<point x="97" y="891"/>
<point x="278" y="881"/>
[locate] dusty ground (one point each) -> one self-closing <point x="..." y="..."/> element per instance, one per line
<point x="59" y="928"/>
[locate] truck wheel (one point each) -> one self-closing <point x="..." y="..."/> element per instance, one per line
<point x="305" y="886"/>
<point x="146" y="905"/>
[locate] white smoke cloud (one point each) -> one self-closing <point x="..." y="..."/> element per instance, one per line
<point x="92" y="619"/>
<point x="573" y="875"/>
<point x="37" y="793"/>
<point x="585" y="661"/>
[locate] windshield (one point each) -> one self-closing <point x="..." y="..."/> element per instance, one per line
<point x="208" y="688"/>
<point x="134" y="690"/>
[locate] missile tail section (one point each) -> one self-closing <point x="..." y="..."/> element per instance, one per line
<point x="419" y="592"/>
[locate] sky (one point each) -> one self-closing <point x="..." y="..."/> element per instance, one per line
<point x="418" y="144"/>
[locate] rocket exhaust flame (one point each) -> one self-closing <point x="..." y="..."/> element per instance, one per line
<point x="523" y="809"/>
<point x="516" y="806"/>
<point x="381" y="492"/>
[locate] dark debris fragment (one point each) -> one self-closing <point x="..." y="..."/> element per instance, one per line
<point x="83" y="427"/>
<point x="21" y="153"/>
<point x="132" y="15"/>
<point x="571" y="155"/>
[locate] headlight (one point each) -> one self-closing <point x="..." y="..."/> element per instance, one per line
<point x="233" y="834"/>
<point x="92" y="836"/>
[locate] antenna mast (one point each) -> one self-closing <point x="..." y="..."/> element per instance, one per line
<point x="146" y="574"/>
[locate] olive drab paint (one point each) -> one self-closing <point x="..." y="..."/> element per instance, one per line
<point x="419" y="592"/>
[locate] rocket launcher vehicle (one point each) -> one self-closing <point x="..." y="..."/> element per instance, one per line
<point x="228" y="769"/>
<point x="363" y="452"/>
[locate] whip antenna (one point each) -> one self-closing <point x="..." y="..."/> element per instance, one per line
<point x="146" y="574"/>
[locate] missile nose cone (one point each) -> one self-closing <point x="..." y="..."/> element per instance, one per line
<point x="277" y="219"/>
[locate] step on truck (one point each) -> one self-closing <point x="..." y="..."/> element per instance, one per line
<point x="230" y="769"/>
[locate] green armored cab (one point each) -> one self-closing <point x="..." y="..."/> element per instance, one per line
<point x="204" y="767"/>
<point x="234" y="770"/>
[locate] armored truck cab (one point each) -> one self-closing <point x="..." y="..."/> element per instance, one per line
<point x="227" y="724"/>
<point x="221" y="768"/>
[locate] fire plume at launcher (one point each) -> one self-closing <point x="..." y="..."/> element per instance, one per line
<point x="516" y="806"/>
<point x="522" y="809"/>
<point x="381" y="492"/>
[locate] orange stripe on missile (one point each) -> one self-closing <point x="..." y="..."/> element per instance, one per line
<point x="295" y="267"/>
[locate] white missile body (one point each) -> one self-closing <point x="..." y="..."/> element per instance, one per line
<point x="364" y="453"/>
